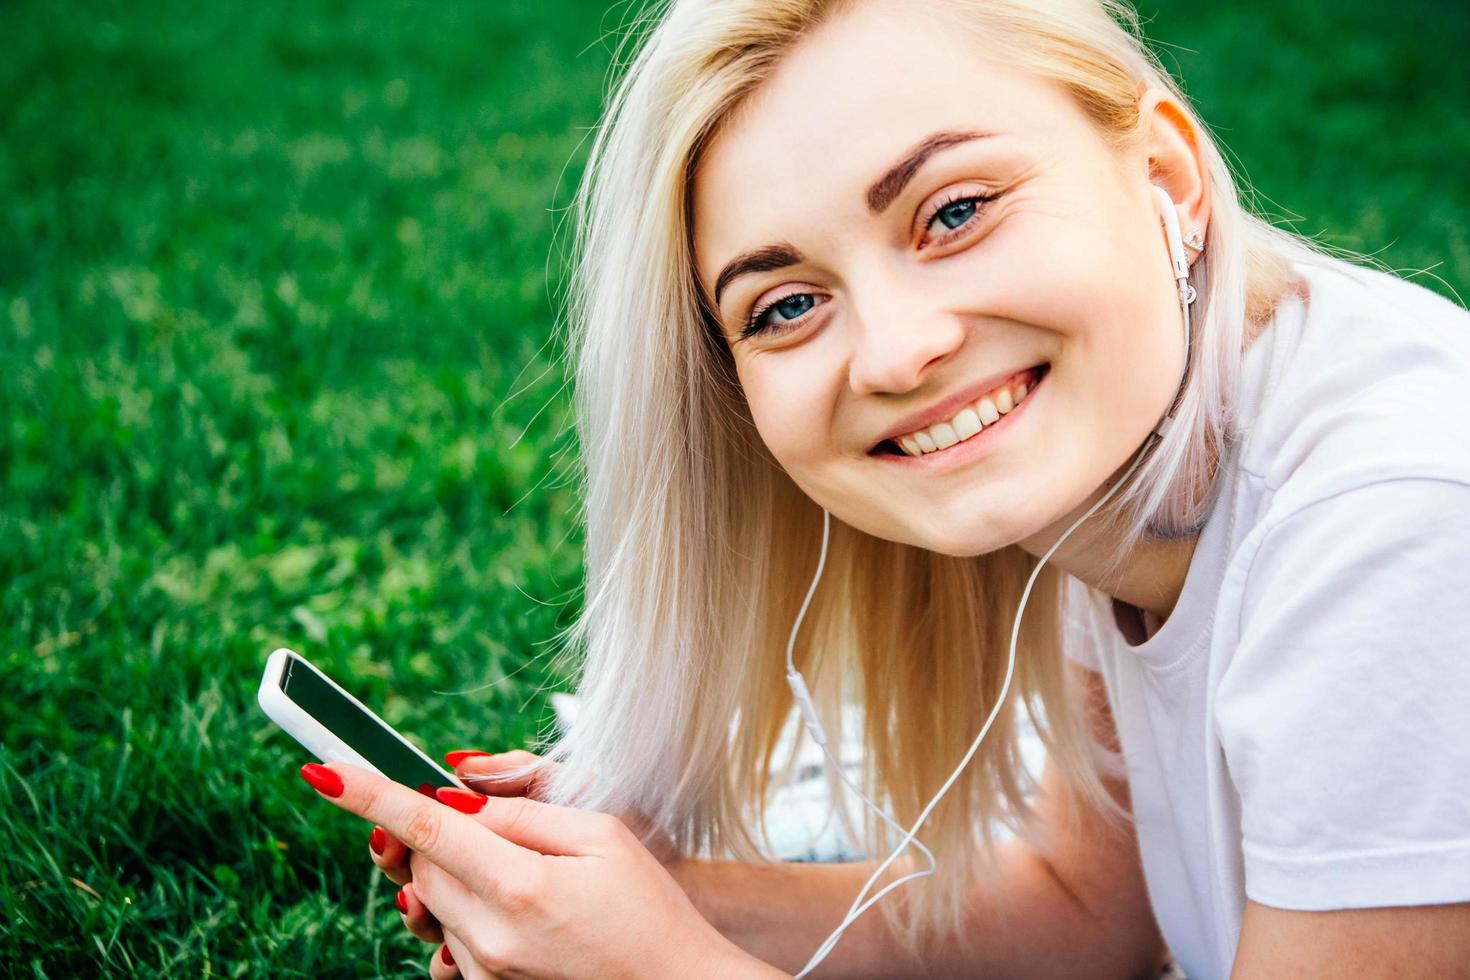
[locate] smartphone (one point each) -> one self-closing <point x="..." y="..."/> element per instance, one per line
<point x="336" y="727"/>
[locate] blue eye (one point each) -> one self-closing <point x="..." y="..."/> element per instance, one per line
<point x="957" y="211"/>
<point x="956" y="214"/>
<point x="790" y="308"/>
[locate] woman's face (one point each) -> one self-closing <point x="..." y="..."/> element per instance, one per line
<point x="898" y="228"/>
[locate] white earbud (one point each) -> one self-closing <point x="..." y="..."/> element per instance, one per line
<point x="862" y="903"/>
<point x="1170" y="215"/>
<point x="1187" y="294"/>
<point x="1176" y="246"/>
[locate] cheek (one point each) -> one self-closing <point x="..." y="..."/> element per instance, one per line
<point x="791" y="406"/>
<point x="1066" y="272"/>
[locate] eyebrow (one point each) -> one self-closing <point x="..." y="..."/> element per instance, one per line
<point x="884" y="192"/>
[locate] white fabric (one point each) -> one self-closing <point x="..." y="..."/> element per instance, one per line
<point x="1298" y="731"/>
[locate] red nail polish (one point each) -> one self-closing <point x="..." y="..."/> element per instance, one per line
<point x="455" y="758"/>
<point x="377" y="840"/>
<point x="322" y="779"/>
<point x="402" y="901"/>
<point x="444" y="955"/>
<point x="427" y="789"/>
<point x="461" y="799"/>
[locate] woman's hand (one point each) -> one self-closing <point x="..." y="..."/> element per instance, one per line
<point x="522" y="888"/>
<point x="482" y="771"/>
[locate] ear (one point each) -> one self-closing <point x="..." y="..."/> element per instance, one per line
<point x="1175" y="162"/>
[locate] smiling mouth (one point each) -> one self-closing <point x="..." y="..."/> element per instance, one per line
<point x="971" y="420"/>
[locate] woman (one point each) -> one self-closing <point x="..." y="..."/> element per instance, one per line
<point x="908" y="263"/>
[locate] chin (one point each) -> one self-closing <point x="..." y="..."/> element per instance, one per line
<point x="970" y="532"/>
<point x="958" y="540"/>
<point x="982" y="542"/>
<point x="961" y="524"/>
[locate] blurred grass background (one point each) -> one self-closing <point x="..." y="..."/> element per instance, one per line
<point x="277" y="288"/>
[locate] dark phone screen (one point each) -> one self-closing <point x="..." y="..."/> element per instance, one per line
<point x="369" y="737"/>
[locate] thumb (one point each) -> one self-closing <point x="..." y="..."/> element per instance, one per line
<point x="494" y="775"/>
<point x="541" y="827"/>
<point x="517" y="773"/>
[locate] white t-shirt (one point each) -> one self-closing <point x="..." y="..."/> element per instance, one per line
<point x="1298" y="731"/>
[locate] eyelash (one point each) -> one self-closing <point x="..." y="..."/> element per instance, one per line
<point x="753" y="327"/>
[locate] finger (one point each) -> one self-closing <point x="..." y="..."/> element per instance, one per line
<point x="464" y="847"/>
<point x="502" y="774"/>
<point x="542" y="827"/>
<point x="416" y="915"/>
<point x="389" y="854"/>
<point x="443" y="964"/>
<point x="506" y="773"/>
<point x="495" y="775"/>
<point x="459" y="913"/>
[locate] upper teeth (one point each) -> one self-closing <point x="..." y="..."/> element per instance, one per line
<point x="970" y="419"/>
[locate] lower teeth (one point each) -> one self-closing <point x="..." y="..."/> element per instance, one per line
<point x="897" y="450"/>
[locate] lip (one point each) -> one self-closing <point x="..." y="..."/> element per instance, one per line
<point x="977" y="445"/>
<point x="944" y="410"/>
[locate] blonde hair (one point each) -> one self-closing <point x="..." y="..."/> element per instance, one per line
<point x="699" y="548"/>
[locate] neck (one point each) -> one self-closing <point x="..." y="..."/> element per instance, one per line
<point x="1150" y="575"/>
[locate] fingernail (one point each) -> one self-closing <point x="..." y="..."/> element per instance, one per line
<point x="461" y="799"/>
<point x="377" y="840"/>
<point x="322" y="779"/>
<point x="427" y="789"/>
<point x="402" y="901"/>
<point x="444" y="955"/>
<point x="455" y="758"/>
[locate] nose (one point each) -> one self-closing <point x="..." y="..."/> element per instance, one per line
<point x="897" y="338"/>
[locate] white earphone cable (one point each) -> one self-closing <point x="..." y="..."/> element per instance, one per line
<point x="808" y="709"/>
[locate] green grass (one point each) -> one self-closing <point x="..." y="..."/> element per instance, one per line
<point x="276" y="308"/>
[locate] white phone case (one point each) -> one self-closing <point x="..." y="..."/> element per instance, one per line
<point x="315" y="737"/>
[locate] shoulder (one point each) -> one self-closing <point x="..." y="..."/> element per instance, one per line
<point x="1368" y="379"/>
<point x="1380" y="551"/>
<point x="1340" y="710"/>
